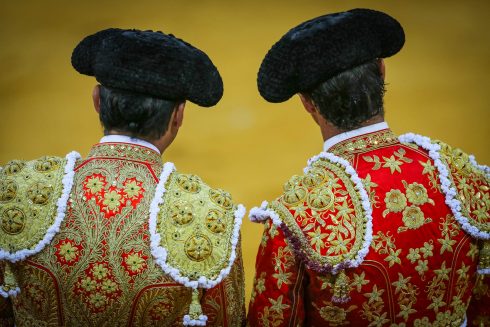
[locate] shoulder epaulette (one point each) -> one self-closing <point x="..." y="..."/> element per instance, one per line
<point x="33" y="200"/>
<point x="325" y="214"/>
<point x="194" y="233"/>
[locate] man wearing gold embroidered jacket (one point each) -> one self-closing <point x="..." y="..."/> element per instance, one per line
<point x="121" y="238"/>
<point x="380" y="230"/>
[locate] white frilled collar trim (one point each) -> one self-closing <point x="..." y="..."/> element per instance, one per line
<point x="128" y="139"/>
<point x="329" y="143"/>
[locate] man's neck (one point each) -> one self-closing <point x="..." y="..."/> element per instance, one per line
<point x="329" y="130"/>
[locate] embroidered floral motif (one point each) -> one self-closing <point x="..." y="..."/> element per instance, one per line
<point x="333" y="314"/>
<point x="393" y="162"/>
<point x="95" y="183"/>
<point x="67" y="252"/>
<point x="395" y="202"/>
<point x="417" y="194"/>
<point x="112" y="201"/>
<point x="412" y="216"/>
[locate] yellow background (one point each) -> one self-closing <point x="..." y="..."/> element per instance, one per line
<point x="437" y="85"/>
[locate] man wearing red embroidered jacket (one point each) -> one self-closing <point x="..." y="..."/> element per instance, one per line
<point x="121" y="238"/>
<point x="380" y="230"/>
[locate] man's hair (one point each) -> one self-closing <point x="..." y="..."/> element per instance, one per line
<point x="134" y="114"/>
<point x="352" y="97"/>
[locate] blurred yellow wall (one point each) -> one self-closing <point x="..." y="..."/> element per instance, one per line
<point x="438" y="85"/>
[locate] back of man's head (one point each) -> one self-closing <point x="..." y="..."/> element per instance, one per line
<point x="134" y="114"/>
<point x="352" y="97"/>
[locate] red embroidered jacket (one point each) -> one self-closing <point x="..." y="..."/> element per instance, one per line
<point x="90" y="259"/>
<point x="376" y="233"/>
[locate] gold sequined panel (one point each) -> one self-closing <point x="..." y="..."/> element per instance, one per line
<point x="29" y="191"/>
<point x="196" y="226"/>
<point x="323" y="211"/>
<point x="472" y="186"/>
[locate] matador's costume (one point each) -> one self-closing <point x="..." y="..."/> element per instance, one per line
<point x="121" y="238"/>
<point x="379" y="230"/>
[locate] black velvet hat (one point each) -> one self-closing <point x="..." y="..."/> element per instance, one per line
<point x="323" y="47"/>
<point x="151" y="63"/>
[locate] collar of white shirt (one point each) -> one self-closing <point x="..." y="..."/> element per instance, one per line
<point x="329" y="143"/>
<point x="128" y="139"/>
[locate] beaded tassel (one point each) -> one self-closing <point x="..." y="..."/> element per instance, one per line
<point x="341" y="288"/>
<point x="484" y="261"/>
<point x="10" y="285"/>
<point x="195" y="309"/>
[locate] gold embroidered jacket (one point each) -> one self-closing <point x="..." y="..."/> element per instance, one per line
<point x="377" y="232"/>
<point x="117" y="239"/>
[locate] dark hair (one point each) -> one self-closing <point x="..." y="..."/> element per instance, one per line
<point x="352" y="97"/>
<point x="135" y="114"/>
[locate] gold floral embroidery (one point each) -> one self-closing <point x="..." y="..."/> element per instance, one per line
<point x="95" y="184"/>
<point x="436" y="288"/>
<point x="449" y="229"/>
<point x="99" y="271"/>
<point x="112" y="200"/>
<point x="407" y="296"/>
<point x="283" y="260"/>
<point x="373" y="308"/>
<point x="68" y="251"/>
<point x="393" y="162"/>
<point x="412" y="215"/>
<point x="359" y="281"/>
<point x="385" y="244"/>
<point x="415" y="255"/>
<point x="417" y="194"/>
<point x="273" y="315"/>
<point x="88" y="284"/>
<point x="135" y="262"/>
<point x="431" y="172"/>
<point x="395" y="202"/>
<point x="370" y="186"/>
<point x="132" y="189"/>
<point x="413" y="218"/>
<point x="333" y="314"/>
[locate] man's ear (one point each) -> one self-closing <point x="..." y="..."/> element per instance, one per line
<point x="382" y="69"/>
<point x="178" y="116"/>
<point x="307" y="103"/>
<point x="96" y="98"/>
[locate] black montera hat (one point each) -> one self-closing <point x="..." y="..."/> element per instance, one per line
<point x="323" y="47"/>
<point x="151" y="63"/>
